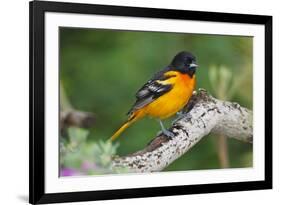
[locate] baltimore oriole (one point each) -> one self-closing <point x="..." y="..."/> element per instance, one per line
<point x="166" y="93"/>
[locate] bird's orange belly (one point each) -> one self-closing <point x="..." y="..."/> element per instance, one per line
<point x="171" y="102"/>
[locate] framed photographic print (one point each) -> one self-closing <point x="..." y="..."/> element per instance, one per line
<point x="140" y="102"/>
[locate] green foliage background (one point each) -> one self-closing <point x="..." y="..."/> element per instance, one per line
<point x="101" y="70"/>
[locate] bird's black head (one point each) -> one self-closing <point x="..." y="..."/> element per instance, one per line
<point x="184" y="62"/>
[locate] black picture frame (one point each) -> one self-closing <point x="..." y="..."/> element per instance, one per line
<point x="37" y="194"/>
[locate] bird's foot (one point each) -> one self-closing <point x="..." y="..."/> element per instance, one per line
<point x="181" y="115"/>
<point x="167" y="133"/>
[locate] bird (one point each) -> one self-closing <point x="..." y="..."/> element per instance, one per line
<point x="165" y="94"/>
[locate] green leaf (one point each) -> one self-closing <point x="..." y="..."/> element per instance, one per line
<point x="77" y="134"/>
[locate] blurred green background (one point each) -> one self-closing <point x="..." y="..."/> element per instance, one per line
<point x="100" y="71"/>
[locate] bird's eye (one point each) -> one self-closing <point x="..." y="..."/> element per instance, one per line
<point x="187" y="63"/>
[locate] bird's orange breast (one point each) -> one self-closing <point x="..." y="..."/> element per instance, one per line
<point x="174" y="100"/>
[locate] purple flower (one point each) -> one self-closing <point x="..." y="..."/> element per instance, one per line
<point x="69" y="172"/>
<point x="88" y="166"/>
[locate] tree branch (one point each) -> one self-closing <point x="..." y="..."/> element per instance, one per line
<point x="76" y="118"/>
<point x="71" y="117"/>
<point x="205" y="115"/>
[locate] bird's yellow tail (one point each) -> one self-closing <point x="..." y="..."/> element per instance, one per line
<point x="135" y="116"/>
<point x="120" y="130"/>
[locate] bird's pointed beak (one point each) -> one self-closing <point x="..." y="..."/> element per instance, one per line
<point x="193" y="65"/>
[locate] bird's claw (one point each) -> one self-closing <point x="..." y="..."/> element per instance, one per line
<point x="168" y="133"/>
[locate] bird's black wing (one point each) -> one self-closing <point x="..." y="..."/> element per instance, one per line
<point x="151" y="90"/>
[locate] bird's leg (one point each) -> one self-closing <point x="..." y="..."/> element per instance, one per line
<point x="166" y="132"/>
<point x="181" y="115"/>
